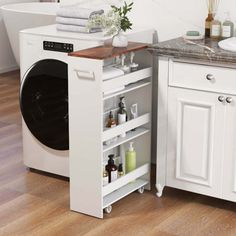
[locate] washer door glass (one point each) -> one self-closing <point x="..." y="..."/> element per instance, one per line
<point x="44" y="103"/>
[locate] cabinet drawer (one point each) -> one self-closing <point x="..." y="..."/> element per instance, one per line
<point x="202" y="77"/>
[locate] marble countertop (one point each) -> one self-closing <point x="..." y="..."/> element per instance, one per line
<point x="206" y="50"/>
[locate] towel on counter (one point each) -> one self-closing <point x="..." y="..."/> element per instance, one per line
<point x="75" y="11"/>
<point x="77" y="28"/>
<point x="71" y="21"/>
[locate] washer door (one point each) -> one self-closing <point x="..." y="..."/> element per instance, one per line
<point x="44" y="103"/>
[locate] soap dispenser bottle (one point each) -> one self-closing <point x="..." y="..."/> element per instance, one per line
<point x="227" y="27"/>
<point x="122" y="114"/>
<point x="111" y="168"/>
<point x="130" y="159"/>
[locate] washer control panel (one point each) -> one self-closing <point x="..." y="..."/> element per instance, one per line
<point x="58" y="47"/>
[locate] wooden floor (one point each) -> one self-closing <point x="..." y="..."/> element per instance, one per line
<point x="32" y="203"/>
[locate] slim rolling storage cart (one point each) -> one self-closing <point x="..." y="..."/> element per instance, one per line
<point x="90" y="100"/>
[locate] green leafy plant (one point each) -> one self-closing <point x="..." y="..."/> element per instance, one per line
<point x="125" y="23"/>
<point x="113" y="21"/>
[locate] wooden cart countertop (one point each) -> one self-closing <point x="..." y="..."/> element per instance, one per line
<point x="108" y="51"/>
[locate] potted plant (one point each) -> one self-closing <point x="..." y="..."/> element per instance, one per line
<point x="115" y="23"/>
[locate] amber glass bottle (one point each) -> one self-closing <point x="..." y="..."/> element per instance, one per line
<point x="111" y="168"/>
<point x="111" y="121"/>
<point x="208" y="22"/>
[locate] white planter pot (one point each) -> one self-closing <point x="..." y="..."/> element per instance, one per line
<point x="120" y="40"/>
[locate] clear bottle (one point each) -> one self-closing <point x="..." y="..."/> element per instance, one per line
<point x="227" y="27"/>
<point x="215" y="29"/>
<point x="111" y="168"/>
<point x="208" y="22"/>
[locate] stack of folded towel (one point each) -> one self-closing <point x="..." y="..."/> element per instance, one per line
<point x="75" y="19"/>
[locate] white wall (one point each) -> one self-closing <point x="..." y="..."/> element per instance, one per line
<point x="7" y="60"/>
<point x="173" y="18"/>
<point x="170" y="17"/>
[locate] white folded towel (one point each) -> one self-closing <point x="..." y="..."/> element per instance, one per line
<point x="74" y="11"/>
<point x="76" y="28"/>
<point x="111" y="72"/>
<point x="71" y="21"/>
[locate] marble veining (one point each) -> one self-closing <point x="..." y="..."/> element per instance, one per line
<point x="206" y="50"/>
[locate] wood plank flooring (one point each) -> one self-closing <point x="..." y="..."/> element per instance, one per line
<point x="33" y="203"/>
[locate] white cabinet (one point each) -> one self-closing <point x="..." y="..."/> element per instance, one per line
<point x="197" y="123"/>
<point x="194" y="148"/>
<point x="229" y="158"/>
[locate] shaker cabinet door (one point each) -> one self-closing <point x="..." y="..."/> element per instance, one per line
<point x="195" y="137"/>
<point x="229" y="160"/>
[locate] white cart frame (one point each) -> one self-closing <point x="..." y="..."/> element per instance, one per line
<point x="87" y="134"/>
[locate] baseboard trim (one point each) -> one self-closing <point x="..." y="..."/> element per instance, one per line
<point x="8" y="69"/>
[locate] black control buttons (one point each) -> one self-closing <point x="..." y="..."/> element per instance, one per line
<point x="58" y="47"/>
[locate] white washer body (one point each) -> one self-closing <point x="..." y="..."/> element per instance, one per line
<point x="35" y="154"/>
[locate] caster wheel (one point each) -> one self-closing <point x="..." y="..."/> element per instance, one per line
<point x="141" y="190"/>
<point x="108" y="209"/>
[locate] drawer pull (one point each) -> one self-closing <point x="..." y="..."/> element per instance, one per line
<point x="83" y="74"/>
<point x="210" y="77"/>
<point x="229" y="100"/>
<point x="221" y="98"/>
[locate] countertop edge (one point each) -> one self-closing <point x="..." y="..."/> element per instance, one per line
<point x="176" y="54"/>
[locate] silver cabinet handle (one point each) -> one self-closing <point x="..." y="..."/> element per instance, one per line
<point x="221" y="98"/>
<point x="210" y="77"/>
<point x="229" y="100"/>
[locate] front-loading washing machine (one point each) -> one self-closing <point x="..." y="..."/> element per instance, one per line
<point x="44" y="95"/>
<point x="44" y="92"/>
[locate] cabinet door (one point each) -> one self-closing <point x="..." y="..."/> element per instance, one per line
<point x="195" y="134"/>
<point x="229" y="162"/>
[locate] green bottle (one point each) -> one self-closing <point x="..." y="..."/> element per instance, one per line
<point x="130" y="159"/>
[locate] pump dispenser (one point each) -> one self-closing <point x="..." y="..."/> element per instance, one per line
<point x="122" y="114"/>
<point x="111" y="168"/>
<point x="130" y="159"/>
